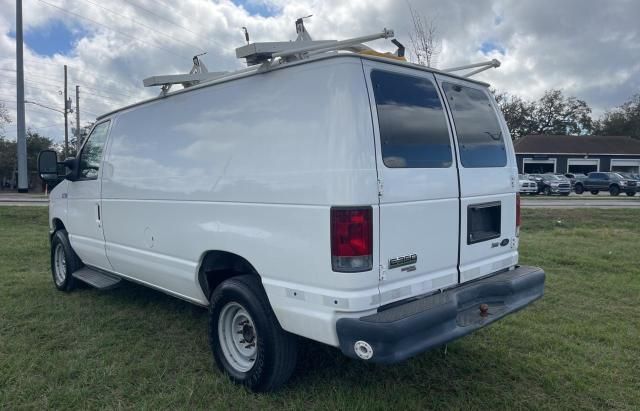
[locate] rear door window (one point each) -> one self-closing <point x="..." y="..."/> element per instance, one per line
<point x="480" y="138"/>
<point x="413" y="125"/>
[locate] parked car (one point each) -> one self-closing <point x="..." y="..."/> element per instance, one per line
<point x="527" y="186"/>
<point x="341" y="214"/>
<point x="573" y="177"/>
<point x="549" y="184"/>
<point x="614" y="183"/>
<point x="631" y="176"/>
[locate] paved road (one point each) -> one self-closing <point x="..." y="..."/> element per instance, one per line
<point x="593" y="203"/>
<point x="15" y="199"/>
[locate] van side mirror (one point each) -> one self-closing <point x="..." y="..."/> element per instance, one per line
<point x="48" y="165"/>
<point x="50" y="169"/>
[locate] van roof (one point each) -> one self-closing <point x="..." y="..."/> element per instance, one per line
<point x="232" y="77"/>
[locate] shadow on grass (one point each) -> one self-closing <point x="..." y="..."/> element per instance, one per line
<point x="322" y="368"/>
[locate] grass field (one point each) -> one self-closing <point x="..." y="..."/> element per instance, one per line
<point x="577" y="348"/>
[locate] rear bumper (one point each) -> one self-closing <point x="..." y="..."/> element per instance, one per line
<point x="405" y="330"/>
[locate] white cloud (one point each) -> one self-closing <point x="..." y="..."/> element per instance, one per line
<point x="588" y="48"/>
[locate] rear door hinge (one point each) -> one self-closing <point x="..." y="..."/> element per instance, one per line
<point x="380" y="188"/>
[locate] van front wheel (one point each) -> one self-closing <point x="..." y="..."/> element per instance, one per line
<point x="64" y="261"/>
<point x="246" y="339"/>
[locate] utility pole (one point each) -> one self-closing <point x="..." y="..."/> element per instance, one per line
<point x="23" y="178"/>
<point x="66" y="111"/>
<point x="78" y="142"/>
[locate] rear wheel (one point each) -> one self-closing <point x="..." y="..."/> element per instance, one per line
<point x="631" y="193"/>
<point x="247" y="341"/>
<point x="614" y="190"/>
<point x="579" y="189"/>
<point x="595" y="192"/>
<point x="64" y="261"/>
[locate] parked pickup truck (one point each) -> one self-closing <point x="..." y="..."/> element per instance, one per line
<point x="527" y="185"/>
<point x="612" y="182"/>
<point x="549" y="184"/>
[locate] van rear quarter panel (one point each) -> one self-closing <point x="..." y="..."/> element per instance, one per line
<point x="251" y="167"/>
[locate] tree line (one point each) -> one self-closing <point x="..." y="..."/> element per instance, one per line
<point x="555" y="113"/>
<point x="36" y="142"/>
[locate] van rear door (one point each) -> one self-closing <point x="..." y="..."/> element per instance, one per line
<point x="419" y="219"/>
<point x="488" y="181"/>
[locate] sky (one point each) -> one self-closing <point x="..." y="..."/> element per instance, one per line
<point x="588" y="48"/>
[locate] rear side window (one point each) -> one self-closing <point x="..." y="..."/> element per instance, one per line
<point x="479" y="136"/>
<point x="413" y="125"/>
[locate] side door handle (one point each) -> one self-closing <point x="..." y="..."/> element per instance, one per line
<point x="98" y="219"/>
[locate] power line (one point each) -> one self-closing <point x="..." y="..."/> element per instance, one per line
<point x="37" y="128"/>
<point x="30" y="74"/>
<point x="78" y="83"/>
<point x="108" y="91"/>
<point x="144" y="25"/>
<point x="33" y="81"/>
<point x="109" y="28"/>
<point x="34" y="87"/>
<point x="165" y="19"/>
<point x="119" y="102"/>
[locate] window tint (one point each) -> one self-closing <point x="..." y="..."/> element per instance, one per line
<point x="91" y="154"/>
<point x="413" y="125"/>
<point x="479" y="136"/>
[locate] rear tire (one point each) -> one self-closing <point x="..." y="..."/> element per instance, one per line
<point x="614" y="191"/>
<point x="579" y="189"/>
<point x="631" y="193"/>
<point x="247" y="342"/>
<point x="595" y="192"/>
<point x="64" y="261"/>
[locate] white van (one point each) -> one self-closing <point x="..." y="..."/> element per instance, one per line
<point x="356" y="200"/>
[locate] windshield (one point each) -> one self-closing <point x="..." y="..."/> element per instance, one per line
<point x="555" y="177"/>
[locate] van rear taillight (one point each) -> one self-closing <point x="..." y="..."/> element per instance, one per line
<point x="351" y="239"/>
<point x="518" y="214"/>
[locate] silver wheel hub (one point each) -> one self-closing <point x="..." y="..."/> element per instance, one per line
<point x="59" y="264"/>
<point x="237" y="336"/>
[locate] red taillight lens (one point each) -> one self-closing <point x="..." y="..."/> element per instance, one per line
<point x="517" y="214"/>
<point x="352" y="239"/>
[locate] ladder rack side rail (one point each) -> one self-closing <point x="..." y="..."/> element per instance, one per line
<point x="491" y="63"/>
<point x="338" y="44"/>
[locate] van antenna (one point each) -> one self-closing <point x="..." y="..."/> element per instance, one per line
<point x="246" y="34"/>
<point x="303" y="34"/>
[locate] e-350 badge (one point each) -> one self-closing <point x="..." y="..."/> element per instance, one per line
<point x="402" y="261"/>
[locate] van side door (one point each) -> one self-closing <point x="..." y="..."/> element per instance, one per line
<point x="418" y="178"/>
<point x="84" y="219"/>
<point x="488" y="180"/>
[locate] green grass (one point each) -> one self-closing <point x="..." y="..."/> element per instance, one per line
<point x="577" y="348"/>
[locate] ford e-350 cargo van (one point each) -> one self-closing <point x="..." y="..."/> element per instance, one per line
<point x="362" y="202"/>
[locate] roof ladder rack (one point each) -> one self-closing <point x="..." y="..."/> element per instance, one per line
<point x="486" y="65"/>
